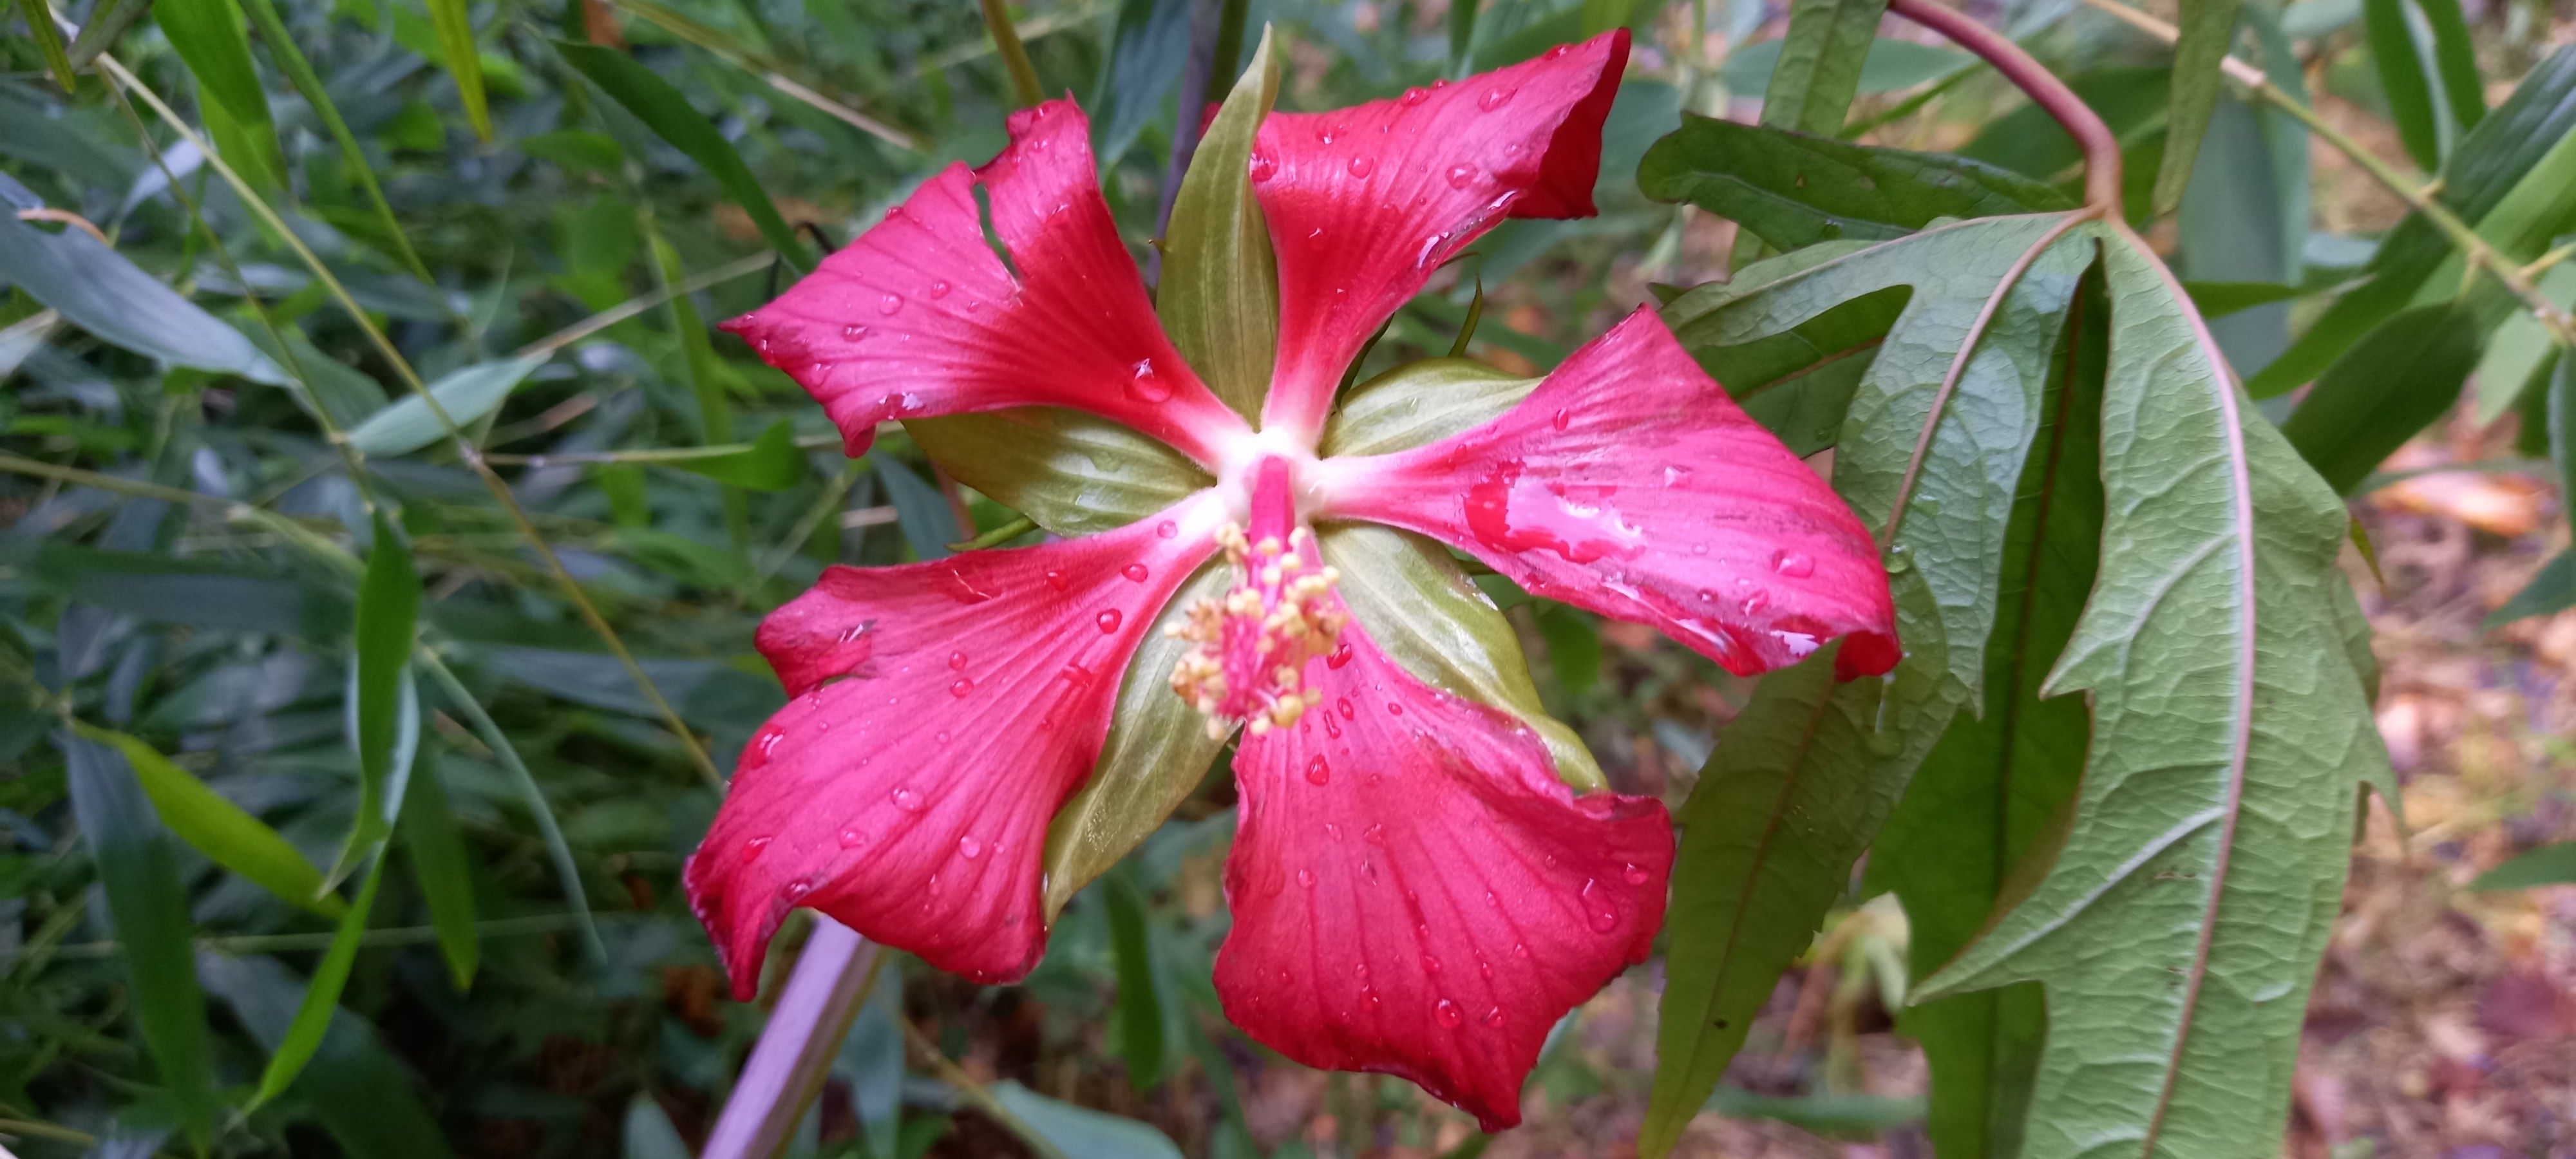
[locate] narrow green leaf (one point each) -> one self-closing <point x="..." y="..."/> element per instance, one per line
<point x="210" y="37"/>
<point x="671" y="117"/>
<point x="467" y="395"/>
<point x="322" y="995"/>
<point x="1812" y="87"/>
<point x="220" y="829"/>
<point x="2551" y="591"/>
<point x="2546" y="865"/>
<point x="1812" y="766"/>
<point x="353" y="160"/>
<point x="1889" y="66"/>
<point x="2208" y="29"/>
<point x="1798" y="383"/>
<point x="98" y="290"/>
<point x="1462" y="34"/>
<point x="439" y="867"/>
<point x="148" y="910"/>
<point x="1080" y="1132"/>
<point x="2212" y="829"/>
<point x="388" y="616"/>
<point x="2455" y="61"/>
<point x="1988" y="790"/>
<point x="2562" y="425"/>
<point x="464" y="62"/>
<point x="2387" y="387"/>
<point x="1858" y="1117"/>
<point x="49" y="41"/>
<point x="531" y="794"/>
<point x="1219" y="297"/>
<point x="1157" y="752"/>
<point x="1148" y="51"/>
<point x="772" y="462"/>
<point x="2219" y="299"/>
<point x="107" y="24"/>
<point x="1073" y="473"/>
<point x="2402" y="78"/>
<point x="1794" y="190"/>
<point x="928" y="523"/>
<point x="1138" y="1014"/>
<point x="2519" y="345"/>
<point x="361" y="1093"/>
<point x="2232" y="229"/>
<point x="1573" y="648"/>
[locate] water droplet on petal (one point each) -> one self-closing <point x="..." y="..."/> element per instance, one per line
<point x="1448" y="1014"/>
<point x="853" y="838"/>
<point x="890" y="303"/>
<point x="1494" y="1018"/>
<point x="956" y="661"/>
<point x="795" y="891"/>
<point x="1374" y="834"/>
<point x="940" y="289"/>
<point x="1495" y="98"/>
<point x="1462" y="175"/>
<point x="906" y="799"/>
<point x="853" y="333"/>
<point x="1635" y="873"/>
<point x="1792" y="564"/>
<point x="1135" y="572"/>
<point x="1598" y="909"/>
<point x="1755" y="602"/>
<point x="1561" y="419"/>
<point x="1055" y="578"/>
<point x="1339" y="657"/>
<point x="1167" y="529"/>
<point x="1264" y="167"/>
<point x="1363" y="166"/>
<point x="1145" y="384"/>
<point x="940" y="737"/>
<point x="1485" y="968"/>
<point x="1318" y="772"/>
<point x="969" y="848"/>
<point x="751" y="849"/>
<point x="1342" y="704"/>
<point x="1413" y="96"/>
<point x="1368" y="994"/>
<point x="1521" y="950"/>
<point x="961" y="687"/>
<point x="1430" y="965"/>
<point x="1109" y="620"/>
<point x="1394" y="709"/>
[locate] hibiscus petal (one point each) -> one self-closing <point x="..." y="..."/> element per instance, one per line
<point x="941" y="712"/>
<point x="918" y="317"/>
<point x="1629" y="483"/>
<point x="1364" y="203"/>
<point x="1415" y="893"/>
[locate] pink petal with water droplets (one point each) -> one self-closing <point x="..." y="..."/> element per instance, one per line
<point x="1629" y="483"/>
<point x="1364" y="203"/>
<point x="941" y="712"/>
<point x="918" y="317"/>
<point x="1415" y="893"/>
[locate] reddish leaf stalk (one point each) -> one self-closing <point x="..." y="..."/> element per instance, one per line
<point x="2101" y="149"/>
<point x="788" y="1064"/>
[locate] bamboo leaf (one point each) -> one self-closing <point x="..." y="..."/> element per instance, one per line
<point x="468" y="394"/>
<point x="146" y="906"/>
<point x="464" y="62"/>
<point x="771" y="463"/>
<point x="353" y="160"/>
<point x="1812" y="86"/>
<point x="2209" y="839"/>
<point x="358" y="1089"/>
<point x="220" y="829"/>
<point x="438" y="863"/>
<point x="2455" y="61"/>
<point x="322" y="995"/>
<point x="1138" y="1013"/>
<point x="2546" y="865"/>
<point x="100" y="291"/>
<point x="209" y="36"/>
<point x="2388" y="386"/>
<point x="388" y="615"/>
<point x="671" y="117"/>
<point x="1932" y="452"/>
<point x="1219" y="297"/>
<point x="1080" y="1132"/>
<point x="107" y="24"/>
<point x="49" y="41"/>
<point x="1148" y="51"/>
<point x="2208" y="28"/>
<point x="2403" y="79"/>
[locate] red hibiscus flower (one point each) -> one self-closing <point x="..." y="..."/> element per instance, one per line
<point x="1414" y="889"/>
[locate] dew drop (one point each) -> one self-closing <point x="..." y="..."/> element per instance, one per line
<point x="1430" y="965"/>
<point x="940" y="737"/>
<point x="1521" y="950"/>
<point x="1413" y="96"/>
<point x="1755" y="602"/>
<point x="1374" y="834"/>
<point x="1707" y="597"/>
<point x="906" y="799"/>
<point x="1561" y="419"/>
<point x="1494" y="1018"/>
<point x="1495" y="98"/>
<point x="1448" y="1014"/>
<point x="961" y="687"/>
<point x="1264" y="167"/>
<point x="769" y="742"/>
<point x="969" y="848"/>
<point x="1792" y="564"/>
<point x="1055" y="578"/>
<point x="890" y="303"/>
<point x="1167" y="529"/>
<point x="956" y="661"/>
<point x="1635" y="874"/>
<point x="852" y="838"/>
<point x="752" y="849"/>
<point x="1394" y="709"/>
<point x="1368" y="869"/>
<point x="1598" y="909"/>
<point x="1558" y="52"/>
<point x="1135" y="572"/>
<point x="1339" y="657"/>
<point x="795" y="891"/>
<point x="1110" y="619"/>
<point x="1318" y="771"/>
<point x="1144" y="384"/>
<point x="1485" y="968"/>
<point x="1363" y="166"/>
<point x="1332" y="830"/>
<point x="1368" y="994"/>
<point x="939" y="289"/>
<point x="1342" y="704"/>
<point x="1462" y="175"/>
<point x="853" y="333"/>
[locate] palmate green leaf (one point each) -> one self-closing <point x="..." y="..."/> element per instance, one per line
<point x="2178" y="930"/>
<point x="1812" y="86"/>
<point x="665" y="111"/>
<point x="220" y="829"/>
<point x="1794" y="190"/>
<point x="1073" y="473"/>
<point x="98" y="290"/>
<point x="2390" y="385"/>
<point x="356" y="1087"/>
<point x="2208" y="29"/>
<point x="1989" y="788"/>
<point x="1931" y="453"/>
<point x="1888" y="65"/>
<point x="468" y="394"/>
<point x="438" y="864"/>
<point x="1798" y="383"/>
<point x="148" y="910"/>
<point x="2489" y="163"/>
<point x="1219" y="295"/>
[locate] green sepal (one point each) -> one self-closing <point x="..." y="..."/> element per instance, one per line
<point x="1421" y="402"/>
<point x="1073" y="473"/>
<point x="1219" y="296"/>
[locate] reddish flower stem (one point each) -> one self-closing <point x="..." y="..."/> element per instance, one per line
<point x="2101" y="149"/>
<point x="794" y="1055"/>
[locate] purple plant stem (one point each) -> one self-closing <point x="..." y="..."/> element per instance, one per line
<point x="788" y="1064"/>
<point x="2101" y="149"/>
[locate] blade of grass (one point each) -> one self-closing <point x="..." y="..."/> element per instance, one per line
<point x="49" y="41"/>
<point x="464" y="62"/>
<point x="299" y="71"/>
